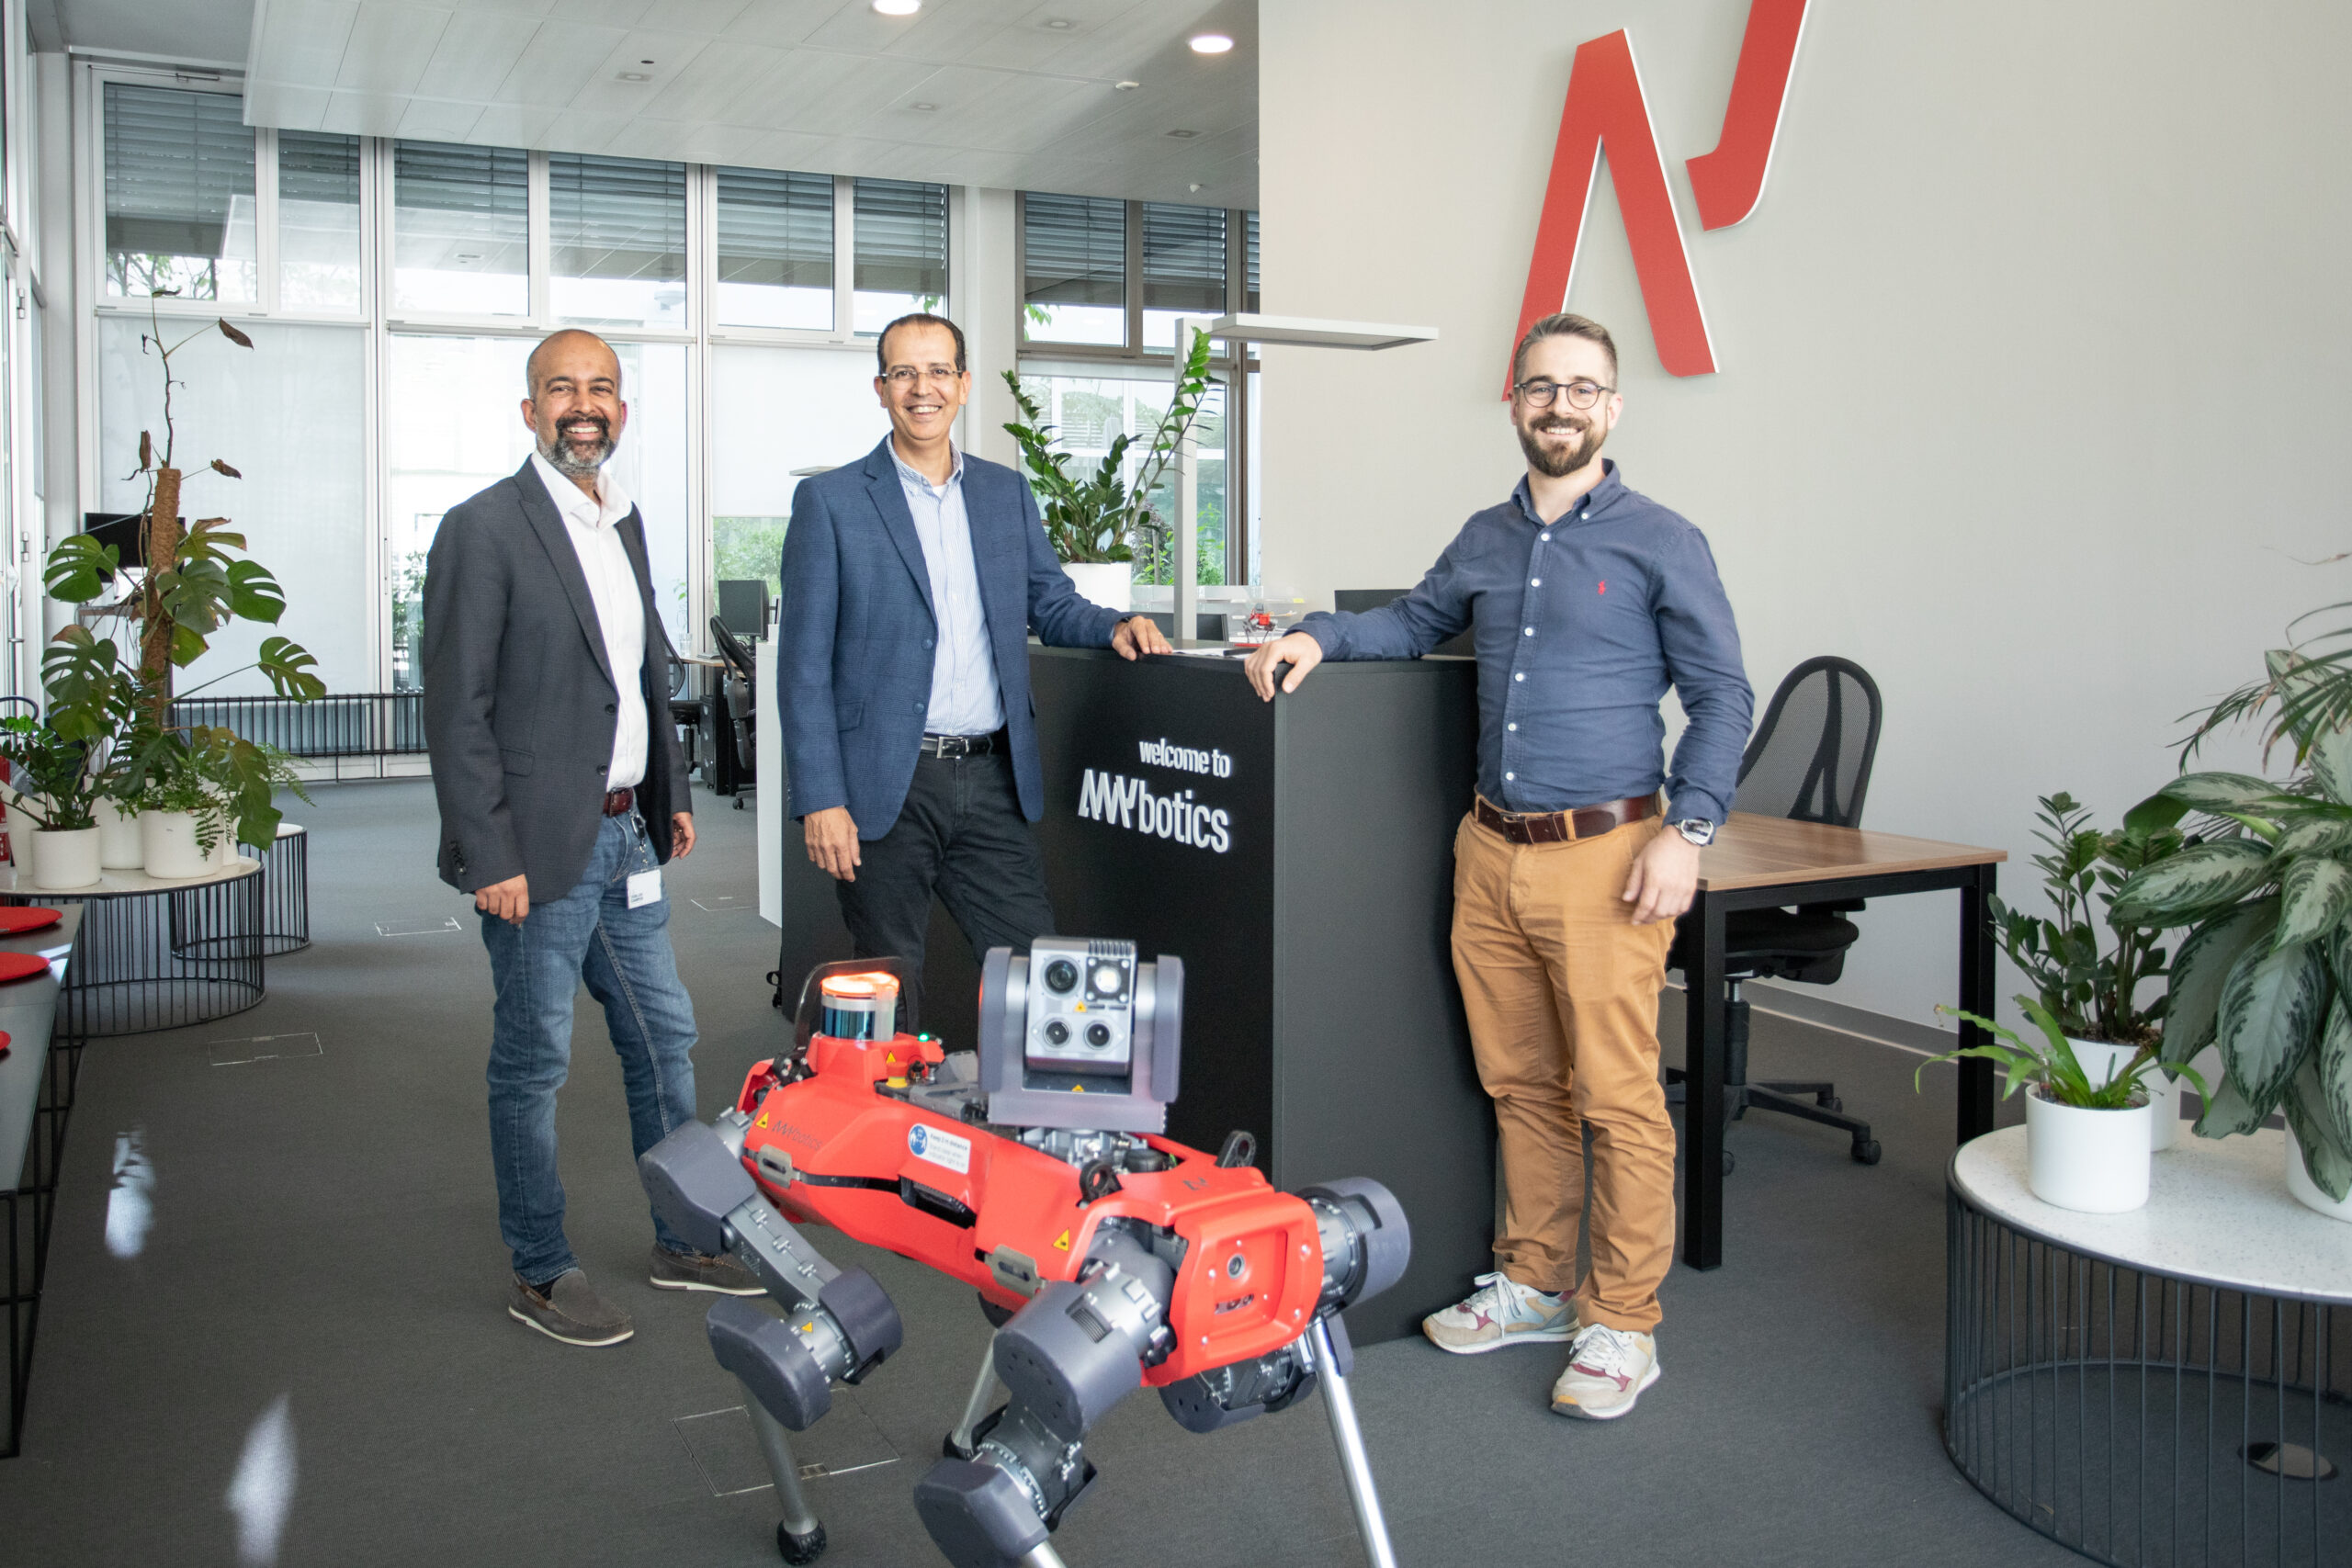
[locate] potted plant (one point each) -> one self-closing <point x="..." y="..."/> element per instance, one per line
<point x="1095" y="520"/>
<point x="59" y="802"/>
<point x="2089" y="984"/>
<point x="180" y="822"/>
<point x="2088" y="1137"/>
<point x="2265" y="974"/>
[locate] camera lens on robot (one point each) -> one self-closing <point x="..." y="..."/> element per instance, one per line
<point x="1098" y="1035"/>
<point x="1061" y="975"/>
<point x="1058" y="1032"/>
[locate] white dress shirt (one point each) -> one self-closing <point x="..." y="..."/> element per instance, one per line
<point x="965" y="699"/>
<point x="594" y="524"/>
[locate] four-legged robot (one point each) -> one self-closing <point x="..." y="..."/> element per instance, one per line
<point x="1108" y="1257"/>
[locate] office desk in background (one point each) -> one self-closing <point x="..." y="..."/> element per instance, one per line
<point x="1758" y="863"/>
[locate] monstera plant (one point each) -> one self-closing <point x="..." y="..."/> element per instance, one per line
<point x="2265" y="974"/>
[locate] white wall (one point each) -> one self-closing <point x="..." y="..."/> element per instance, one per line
<point x="2032" y="390"/>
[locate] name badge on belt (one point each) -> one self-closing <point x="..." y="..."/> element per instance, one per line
<point x="644" y="888"/>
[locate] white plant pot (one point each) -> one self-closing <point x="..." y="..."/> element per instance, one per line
<point x="169" y="838"/>
<point x="67" y="858"/>
<point x="224" y="848"/>
<point x="2306" y="1190"/>
<point x="1108" y="584"/>
<point x="2095" y="1162"/>
<point x="119" y="846"/>
<point x="2103" y="1061"/>
<point x="21" y="828"/>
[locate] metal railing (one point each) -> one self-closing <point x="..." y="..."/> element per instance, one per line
<point x="343" y="723"/>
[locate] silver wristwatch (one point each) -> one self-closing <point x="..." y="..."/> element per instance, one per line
<point x="1698" y="829"/>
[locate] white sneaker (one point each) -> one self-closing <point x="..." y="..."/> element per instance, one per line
<point x="1501" y="1311"/>
<point x="1607" y="1369"/>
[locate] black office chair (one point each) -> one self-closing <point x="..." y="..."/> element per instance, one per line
<point x="1810" y="762"/>
<point x="730" y="716"/>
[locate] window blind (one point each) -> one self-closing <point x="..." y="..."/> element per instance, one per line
<point x="775" y="228"/>
<point x="1249" y="257"/>
<point x="176" y="161"/>
<point x="900" y="234"/>
<point x="1183" y="257"/>
<point x="316" y="166"/>
<point x="492" y="181"/>
<point x="615" y="217"/>
<point x="1074" y="250"/>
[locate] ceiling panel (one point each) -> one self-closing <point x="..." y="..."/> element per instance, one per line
<point x="820" y="84"/>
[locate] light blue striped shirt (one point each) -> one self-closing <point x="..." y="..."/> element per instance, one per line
<point x="963" y="696"/>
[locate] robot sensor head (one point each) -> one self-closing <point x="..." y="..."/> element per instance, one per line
<point x="1080" y="1033"/>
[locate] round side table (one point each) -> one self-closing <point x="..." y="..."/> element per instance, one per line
<point x="286" y="891"/>
<point x="2167" y="1387"/>
<point x="156" y="952"/>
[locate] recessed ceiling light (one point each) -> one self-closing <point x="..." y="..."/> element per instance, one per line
<point x="1202" y="43"/>
<point x="1184" y="135"/>
<point x="1057" y="24"/>
<point x="637" y="75"/>
<point x="1125" y="86"/>
<point x="896" y="8"/>
<point x="922" y="109"/>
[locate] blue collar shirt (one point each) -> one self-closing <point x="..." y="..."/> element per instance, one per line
<point x="965" y="699"/>
<point x="1580" y="625"/>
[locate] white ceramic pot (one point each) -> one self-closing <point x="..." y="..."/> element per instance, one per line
<point x="120" y="845"/>
<point x="21" y="828"/>
<point x="171" y="849"/>
<point x="65" y="858"/>
<point x="224" y="847"/>
<point x="1110" y="584"/>
<point x="2103" y="1061"/>
<point x="2095" y="1162"/>
<point x="2306" y="1190"/>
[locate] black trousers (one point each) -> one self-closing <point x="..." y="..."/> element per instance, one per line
<point x="960" y="835"/>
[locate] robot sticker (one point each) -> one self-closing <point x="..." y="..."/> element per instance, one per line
<point x="940" y="1147"/>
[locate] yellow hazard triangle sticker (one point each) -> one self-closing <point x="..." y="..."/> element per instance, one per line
<point x="1061" y="1242"/>
<point x="762" y="1121"/>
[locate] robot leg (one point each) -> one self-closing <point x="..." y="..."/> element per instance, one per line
<point x="1066" y="1358"/>
<point x="839" y="1322"/>
<point x="964" y="1441"/>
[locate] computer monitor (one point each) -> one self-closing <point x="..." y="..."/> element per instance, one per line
<point x="743" y="605"/>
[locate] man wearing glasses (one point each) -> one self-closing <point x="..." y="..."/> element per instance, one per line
<point x="1586" y="599"/>
<point x="911" y="583"/>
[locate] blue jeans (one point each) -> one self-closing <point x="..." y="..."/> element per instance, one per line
<point x="590" y="935"/>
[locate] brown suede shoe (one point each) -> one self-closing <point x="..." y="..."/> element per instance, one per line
<point x="693" y="1272"/>
<point x="571" y="1311"/>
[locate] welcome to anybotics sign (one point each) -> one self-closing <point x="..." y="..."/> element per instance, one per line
<point x="1606" y="107"/>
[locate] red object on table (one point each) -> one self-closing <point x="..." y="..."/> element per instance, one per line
<point x="32" y="918"/>
<point x="22" y="965"/>
<point x="3" y="1042"/>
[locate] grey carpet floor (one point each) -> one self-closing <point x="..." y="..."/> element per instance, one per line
<point x="322" y="1268"/>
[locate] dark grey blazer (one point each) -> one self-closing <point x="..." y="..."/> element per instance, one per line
<point x="520" y="705"/>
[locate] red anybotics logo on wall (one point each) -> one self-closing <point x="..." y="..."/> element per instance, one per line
<point x="1606" y="107"/>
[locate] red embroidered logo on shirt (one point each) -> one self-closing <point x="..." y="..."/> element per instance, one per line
<point x="1603" y="588"/>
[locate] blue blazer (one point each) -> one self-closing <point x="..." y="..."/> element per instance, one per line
<point x="855" y="630"/>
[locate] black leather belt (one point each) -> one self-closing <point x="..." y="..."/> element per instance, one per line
<point x="619" y="800"/>
<point x="1563" y="826"/>
<point x="961" y="745"/>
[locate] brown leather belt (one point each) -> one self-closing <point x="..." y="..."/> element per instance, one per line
<point x="1563" y="826"/>
<point x="619" y="800"/>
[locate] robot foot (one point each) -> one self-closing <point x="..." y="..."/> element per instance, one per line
<point x="799" y="1548"/>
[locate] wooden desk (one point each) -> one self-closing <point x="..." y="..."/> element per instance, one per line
<point x="1758" y="863"/>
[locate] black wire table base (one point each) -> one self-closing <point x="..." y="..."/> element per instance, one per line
<point x="162" y="958"/>
<point x="2144" y="1419"/>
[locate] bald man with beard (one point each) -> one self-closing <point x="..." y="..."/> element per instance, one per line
<point x="563" y="794"/>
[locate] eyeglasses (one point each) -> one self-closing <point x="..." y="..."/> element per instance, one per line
<point x="1581" y="394"/>
<point x="902" y="377"/>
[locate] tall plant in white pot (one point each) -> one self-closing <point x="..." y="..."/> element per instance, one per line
<point x="2088" y="1141"/>
<point x="2088" y="972"/>
<point x="61" y="787"/>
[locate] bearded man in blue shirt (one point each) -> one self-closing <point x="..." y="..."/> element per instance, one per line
<point x="1586" y="601"/>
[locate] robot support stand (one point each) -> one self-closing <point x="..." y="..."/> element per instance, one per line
<point x="1333" y="1361"/>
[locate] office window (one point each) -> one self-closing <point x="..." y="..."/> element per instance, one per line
<point x="289" y="414"/>
<point x="1074" y="269"/>
<point x="1250" y="261"/>
<point x="318" y="221"/>
<point x="1184" y="267"/>
<point x="460" y="230"/>
<point x="900" y="234"/>
<point x="1088" y="413"/>
<point x="179" y="197"/>
<point x="617" y="232"/>
<point x="775" y="249"/>
<point x="776" y="415"/>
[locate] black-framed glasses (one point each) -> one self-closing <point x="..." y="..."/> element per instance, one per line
<point x="1581" y="394"/>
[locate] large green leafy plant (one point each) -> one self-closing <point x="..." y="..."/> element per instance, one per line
<point x="1099" y="517"/>
<point x="2265" y="974"/>
<point x="2087" y="971"/>
<point x="109" y="676"/>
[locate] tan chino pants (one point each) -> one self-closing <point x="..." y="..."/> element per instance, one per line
<point x="1562" y="990"/>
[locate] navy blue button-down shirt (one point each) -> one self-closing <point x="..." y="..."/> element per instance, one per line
<point x="1580" y="625"/>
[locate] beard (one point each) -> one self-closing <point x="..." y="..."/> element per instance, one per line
<point x="574" y="459"/>
<point x="1557" y="462"/>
